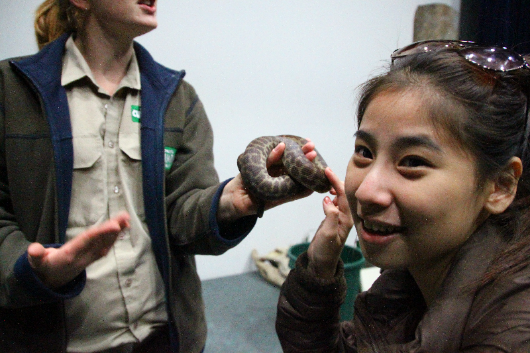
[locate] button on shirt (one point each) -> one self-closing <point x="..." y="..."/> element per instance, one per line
<point x="123" y="300"/>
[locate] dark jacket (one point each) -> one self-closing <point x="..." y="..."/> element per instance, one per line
<point x="36" y="161"/>
<point x="392" y="316"/>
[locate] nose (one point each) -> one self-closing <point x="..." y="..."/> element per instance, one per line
<point x="374" y="190"/>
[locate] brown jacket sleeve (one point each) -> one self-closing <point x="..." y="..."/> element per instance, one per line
<point x="192" y="183"/>
<point x="308" y="310"/>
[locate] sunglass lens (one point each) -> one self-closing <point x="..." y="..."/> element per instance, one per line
<point x="494" y="58"/>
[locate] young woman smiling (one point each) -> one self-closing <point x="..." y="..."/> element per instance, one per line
<point x="438" y="189"/>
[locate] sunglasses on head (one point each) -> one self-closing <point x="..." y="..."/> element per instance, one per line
<point x="491" y="58"/>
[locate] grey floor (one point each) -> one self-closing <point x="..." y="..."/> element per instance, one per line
<point x="241" y="311"/>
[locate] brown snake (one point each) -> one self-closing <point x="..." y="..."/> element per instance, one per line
<point x="301" y="172"/>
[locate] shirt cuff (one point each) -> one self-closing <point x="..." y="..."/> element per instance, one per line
<point x="232" y="233"/>
<point x="25" y="274"/>
<point x="313" y="288"/>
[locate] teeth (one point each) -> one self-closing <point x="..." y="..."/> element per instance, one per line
<point x="379" y="228"/>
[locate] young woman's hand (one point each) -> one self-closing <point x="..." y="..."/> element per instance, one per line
<point x="236" y="202"/>
<point x="328" y="242"/>
<point x="58" y="266"/>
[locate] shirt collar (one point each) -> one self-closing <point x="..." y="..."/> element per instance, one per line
<point x="75" y="68"/>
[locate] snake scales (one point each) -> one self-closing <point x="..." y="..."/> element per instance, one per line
<point x="301" y="172"/>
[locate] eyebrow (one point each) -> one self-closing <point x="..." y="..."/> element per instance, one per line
<point x="366" y="136"/>
<point x="402" y="142"/>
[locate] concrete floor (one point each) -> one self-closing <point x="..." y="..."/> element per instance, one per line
<point x="241" y="312"/>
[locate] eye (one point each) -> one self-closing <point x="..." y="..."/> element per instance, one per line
<point x="363" y="152"/>
<point x="414" y="167"/>
<point x="414" y="162"/>
<point x="362" y="156"/>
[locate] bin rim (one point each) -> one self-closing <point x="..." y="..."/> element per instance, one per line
<point x="350" y="265"/>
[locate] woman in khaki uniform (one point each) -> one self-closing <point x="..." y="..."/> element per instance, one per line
<point x="107" y="190"/>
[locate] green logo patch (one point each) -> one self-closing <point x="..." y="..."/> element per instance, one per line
<point x="135" y="113"/>
<point x="169" y="157"/>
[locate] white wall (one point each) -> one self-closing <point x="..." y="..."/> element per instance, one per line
<point x="265" y="68"/>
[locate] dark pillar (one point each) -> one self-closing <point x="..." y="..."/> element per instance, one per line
<point x="497" y="22"/>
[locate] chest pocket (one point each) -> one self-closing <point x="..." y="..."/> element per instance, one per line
<point x="87" y="151"/>
<point x="130" y="146"/>
<point x="88" y="184"/>
<point x="131" y="171"/>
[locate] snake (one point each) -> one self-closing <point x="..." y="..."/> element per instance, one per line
<point x="301" y="173"/>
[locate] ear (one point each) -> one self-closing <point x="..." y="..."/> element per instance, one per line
<point x="81" y="4"/>
<point x="502" y="190"/>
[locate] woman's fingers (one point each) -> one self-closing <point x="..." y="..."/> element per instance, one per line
<point x="336" y="183"/>
<point x="309" y="150"/>
<point x="276" y="154"/>
<point x="112" y="226"/>
<point x="341" y="201"/>
<point x="97" y="240"/>
<point x="326" y="247"/>
<point x="36" y="254"/>
<point x="57" y="267"/>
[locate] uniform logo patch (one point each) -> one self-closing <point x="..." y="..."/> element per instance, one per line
<point x="135" y="113"/>
<point x="169" y="157"/>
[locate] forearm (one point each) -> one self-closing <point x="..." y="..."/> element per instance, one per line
<point x="197" y="229"/>
<point x="20" y="286"/>
<point x="198" y="220"/>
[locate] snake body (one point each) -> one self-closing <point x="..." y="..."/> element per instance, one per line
<point x="301" y="172"/>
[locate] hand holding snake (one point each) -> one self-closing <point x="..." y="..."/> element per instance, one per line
<point x="236" y="200"/>
<point x="300" y="173"/>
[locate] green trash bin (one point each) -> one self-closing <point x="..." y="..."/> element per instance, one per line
<point x="353" y="263"/>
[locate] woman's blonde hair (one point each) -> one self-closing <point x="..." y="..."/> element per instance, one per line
<point x="53" y="18"/>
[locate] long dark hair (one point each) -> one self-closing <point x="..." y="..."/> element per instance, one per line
<point x="486" y="111"/>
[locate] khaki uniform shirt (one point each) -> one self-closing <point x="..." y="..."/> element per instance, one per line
<point x="123" y="300"/>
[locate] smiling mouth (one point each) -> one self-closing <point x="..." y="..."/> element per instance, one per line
<point x="382" y="229"/>
<point x="149" y="3"/>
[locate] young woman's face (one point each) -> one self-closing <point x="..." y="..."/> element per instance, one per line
<point x="412" y="190"/>
<point x="128" y="17"/>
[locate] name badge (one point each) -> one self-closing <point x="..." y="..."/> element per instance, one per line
<point x="169" y="157"/>
<point x="135" y="113"/>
